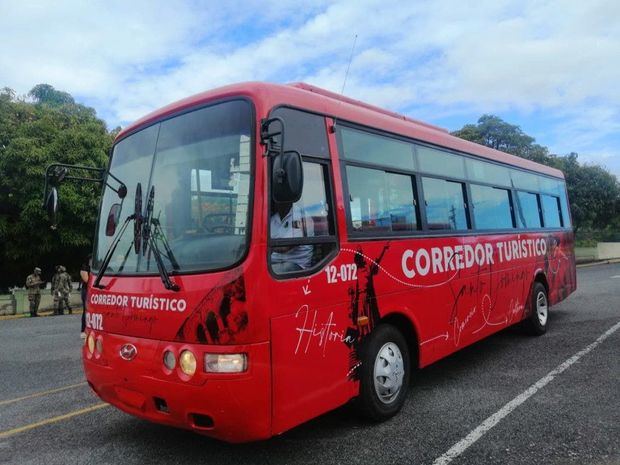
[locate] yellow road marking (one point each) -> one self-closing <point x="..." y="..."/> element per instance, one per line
<point x="66" y="416"/>
<point x="44" y="393"/>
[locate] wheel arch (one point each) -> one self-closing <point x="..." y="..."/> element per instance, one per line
<point x="408" y="329"/>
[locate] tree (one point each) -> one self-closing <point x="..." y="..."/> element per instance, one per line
<point x="53" y="128"/>
<point x="594" y="193"/>
<point x="46" y="94"/>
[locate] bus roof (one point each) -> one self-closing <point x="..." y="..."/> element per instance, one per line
<point x="315" y="99"/>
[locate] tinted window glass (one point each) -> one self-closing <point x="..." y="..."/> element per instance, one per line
<point x="372" y="148"/>
<point x="305" y="132"/>
<point x="487" y="172"/>
<point x="565" y="213"/>
<point x="380" y="201"/>
<point x="527" y="213"/>
<point x="445" y="204"/>
<point x="491" y="207"/>
<point x="549" y="185"/>
<point x="435" y="161"/>
<point x="551" y="211"/>
<point x="525" y="181"/>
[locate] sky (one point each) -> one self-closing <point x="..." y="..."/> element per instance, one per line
<point x="553" y="68"/>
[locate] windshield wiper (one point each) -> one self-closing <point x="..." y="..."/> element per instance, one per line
<point x="150" y="236"/>
<point x="110" y="252"/>
<point x="136" y="217"/>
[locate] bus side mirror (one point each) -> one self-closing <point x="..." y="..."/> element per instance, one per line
<point x="51" y="205"/>
<point x="287" y="177"/>
<point x="113" y="217"/>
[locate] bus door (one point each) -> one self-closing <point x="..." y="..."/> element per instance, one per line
<point x="310" y="315"/>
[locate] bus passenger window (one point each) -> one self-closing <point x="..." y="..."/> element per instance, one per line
<point x="491" y="207"/>
<point x="380" y="201"/>
<point x="527" y="211"/>
<point x="445" y="204"/>
<point x="293" y="226"/>
<point x="551" y="211"/>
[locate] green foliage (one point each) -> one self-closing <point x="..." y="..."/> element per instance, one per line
<point x="593" y="192"/>
<point x="53" y="128"/>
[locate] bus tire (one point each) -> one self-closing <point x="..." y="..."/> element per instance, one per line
<point x="536" y="322"/>
<point x="384" y="374"/>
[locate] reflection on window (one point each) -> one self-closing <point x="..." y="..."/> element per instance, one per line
<point x="307" y="218"/>
<point x="490" y="173"/>
<point x="381" y="201"/>
<point x="445" y="204"/>
<point x="305" y="132"/>
<point x="524" y="180"/>
<point x="491" y="207"/>
<point x="438" y="162"/>
<point x="565" y="213"/>
<point x="527" y="212"/>
<point x="380" y="150"/>
<point x="551" y="211"/>
<point x="198" y="164"/>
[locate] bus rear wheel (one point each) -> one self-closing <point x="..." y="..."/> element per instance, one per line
<point x="384" y="374"/>
<point x="536" y="322"/>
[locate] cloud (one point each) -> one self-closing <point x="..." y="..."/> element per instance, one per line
<point x="427" y="59"/>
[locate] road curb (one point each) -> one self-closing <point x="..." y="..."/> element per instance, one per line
<point x="602" y="262"/>
<point x="41" y="314"/>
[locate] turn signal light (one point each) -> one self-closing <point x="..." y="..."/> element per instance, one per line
<point x="90" y="342"/>
<point x="187" y="362"/>
<point x="99" y="346"/>
<point x="226" y="363"/>
<point x="169" y="360"/>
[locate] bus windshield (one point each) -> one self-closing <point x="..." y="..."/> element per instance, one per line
<point x="198" y="166"/>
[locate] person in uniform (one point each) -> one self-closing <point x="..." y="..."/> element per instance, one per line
<point x="33" y="284"/>
<point x="54" y="290"/>
<point x="290" y="221"/>
<point x="64" y="287"/>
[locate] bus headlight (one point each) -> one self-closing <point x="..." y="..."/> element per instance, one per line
<point x="91" y="343"/>
<point x="226" y="363"/>
<point x="187" y="362"/>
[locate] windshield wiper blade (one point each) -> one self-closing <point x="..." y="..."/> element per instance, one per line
<point x="110" y="252"/>
<point x="150" y="242"/>
<point x="163" y="272"/>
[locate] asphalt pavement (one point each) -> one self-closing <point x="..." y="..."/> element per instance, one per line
<point x="496" y="402"/>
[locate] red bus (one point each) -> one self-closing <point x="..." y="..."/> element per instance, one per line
<point x="277" y="251"/>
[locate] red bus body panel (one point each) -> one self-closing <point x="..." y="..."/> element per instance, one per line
<point x="301" y="335"/>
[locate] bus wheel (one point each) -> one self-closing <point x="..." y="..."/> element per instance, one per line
<point x="384" y="373"/>
<point x="536" y="323"/>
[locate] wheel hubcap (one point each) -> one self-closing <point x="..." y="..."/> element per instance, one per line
<point x="388" y="373"/>
<point x="542" y="308"/>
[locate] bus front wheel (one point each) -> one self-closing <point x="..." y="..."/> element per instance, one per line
<point x="536" y="322"/>
<point x="384" y="373"/>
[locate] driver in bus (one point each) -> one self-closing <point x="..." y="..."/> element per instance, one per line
<point x="290" y="221"/>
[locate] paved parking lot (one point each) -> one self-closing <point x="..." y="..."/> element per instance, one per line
<point x="508" y="399"/>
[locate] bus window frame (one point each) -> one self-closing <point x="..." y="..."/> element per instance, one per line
<point x="559" y="206"/>
<point x="333" y="238"/>
<point x="424" y="231"/>
<point x="510" y="205"/>
<point x="347" y="199"/>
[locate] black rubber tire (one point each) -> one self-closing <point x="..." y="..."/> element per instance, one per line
<point x="531" y="324"/>
<point x="368" y="402"/>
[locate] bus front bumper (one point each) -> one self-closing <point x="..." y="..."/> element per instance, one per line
<point x="233" y="407"/>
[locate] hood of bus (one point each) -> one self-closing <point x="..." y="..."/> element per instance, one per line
<point x="209" y="308"/>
